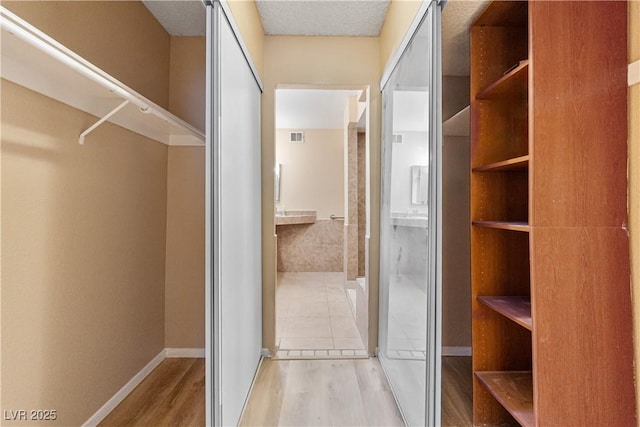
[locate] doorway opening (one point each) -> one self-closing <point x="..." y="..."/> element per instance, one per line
<point x="321" y="222"/>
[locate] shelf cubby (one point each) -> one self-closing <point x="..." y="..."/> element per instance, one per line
<point x="515" y="308"/>
<point x="513" y="81"/>
<point x="500" y="196"/>
<point x="514" y="391"/>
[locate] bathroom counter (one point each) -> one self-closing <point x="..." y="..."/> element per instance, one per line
<point x="410" y="221"/>
<point x="296" y="217"/>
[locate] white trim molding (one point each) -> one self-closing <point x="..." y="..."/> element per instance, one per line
<point x="121" y="394"/>
<point x="456" y="351"/>
<point x="185" y="352"/>
<point x="633" y="75"/>
<point x="243" y="46"/>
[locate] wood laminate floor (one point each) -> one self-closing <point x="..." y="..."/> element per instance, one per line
<point x="321" y="393"/>
<point x="291" y="393"/>
<point x="457" y="388"/>
<point x="172" y="395"/>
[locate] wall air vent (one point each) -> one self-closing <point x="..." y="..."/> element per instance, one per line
<point x="397" y="138"/>
<point x="296" y="137"/>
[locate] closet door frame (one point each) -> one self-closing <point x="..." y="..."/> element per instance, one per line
<point x="217" y="12"/>
<point x="433" y="392"/>
<point x="212" y="332"/>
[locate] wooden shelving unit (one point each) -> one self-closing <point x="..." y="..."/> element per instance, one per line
<point x="549" y="263"/>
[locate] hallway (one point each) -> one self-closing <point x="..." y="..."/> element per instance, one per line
<point x="321" y="393"/>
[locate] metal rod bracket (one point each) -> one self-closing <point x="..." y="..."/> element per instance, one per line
<point x="101" y="121"/>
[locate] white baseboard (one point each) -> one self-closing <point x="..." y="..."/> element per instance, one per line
<point x="265" y="352"/>
<point x="185" y="352"/>
<point x="121" y="394"/>
<point x="124" y="391"/>
<point x="456" y="351"/>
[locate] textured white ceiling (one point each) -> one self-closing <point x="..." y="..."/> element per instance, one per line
<point x="322" y="17"/>
<point x="457" y="17"/>
<point x="179" y="17"/>
<point x="329" y="17"/>
<point x="311" y="108"/>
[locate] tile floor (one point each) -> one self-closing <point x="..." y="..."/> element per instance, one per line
<point x="315" y="318"/>
<point x="407" y="328"/>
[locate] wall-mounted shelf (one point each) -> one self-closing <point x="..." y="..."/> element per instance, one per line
<point x="517" y="309"/>
<point x="458" y="124"/>
<point x="34" y="60"/>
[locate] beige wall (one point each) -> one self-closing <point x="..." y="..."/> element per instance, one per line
<point x="399" y="16"/>
<point x="83" y="239"/>
<point x="120" y="37"/>
<point x="187" y="79"/>
<point x="184" y="291"/>
<point x="456" y="252"/>
<point x="246" y="16"/>
<point x="327" y="61"/>
<point x="312" y="176"/>
<point x="456" y="263"/>
<point x="634" y="181"/>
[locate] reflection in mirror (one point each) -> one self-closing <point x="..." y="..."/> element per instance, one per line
<point x="405" y="283"/>
<point x="277" y="190"/>
<point x="419" y="185"/>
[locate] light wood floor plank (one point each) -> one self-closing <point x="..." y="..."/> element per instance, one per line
<point x="302" y="400"/>
<point x="344" y="403"/>
<point x="266" y="407"/>
<point x="321" y="393"/>
<point x="172" y="395"/>
<point x="457" y="388"/>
